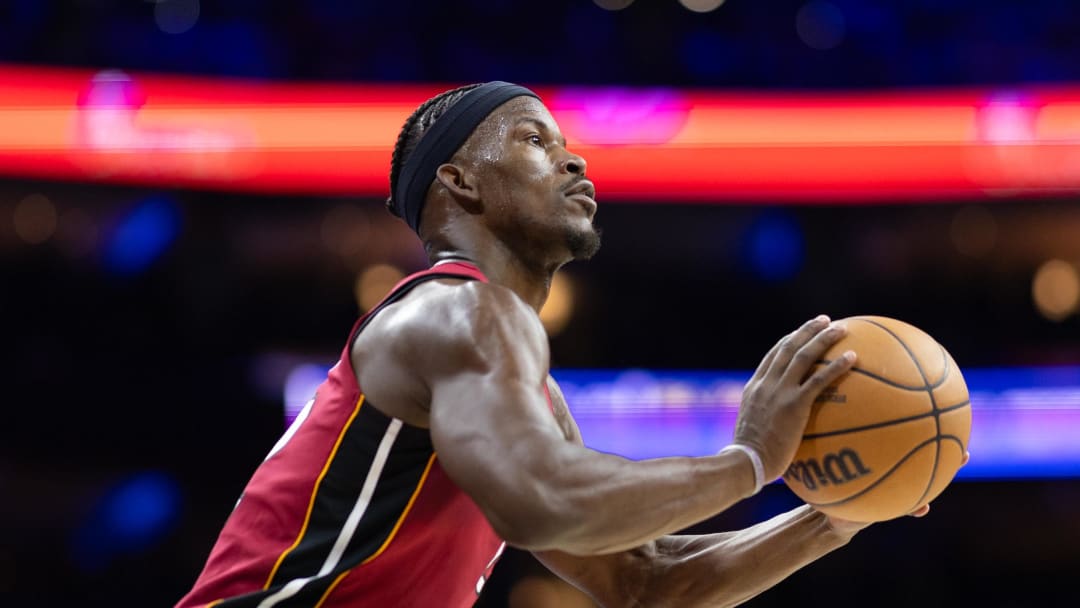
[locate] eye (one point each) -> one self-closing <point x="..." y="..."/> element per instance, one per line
<point x="536" y="140"/>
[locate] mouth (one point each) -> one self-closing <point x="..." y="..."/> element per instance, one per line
<point x="584" y="193"/>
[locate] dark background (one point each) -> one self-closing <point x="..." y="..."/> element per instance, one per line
<point x="158" y="388"/>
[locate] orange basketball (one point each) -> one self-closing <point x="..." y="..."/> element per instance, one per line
<point x="890" y="434"/>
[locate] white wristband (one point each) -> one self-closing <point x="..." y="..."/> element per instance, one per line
<point x="755" y="460"/>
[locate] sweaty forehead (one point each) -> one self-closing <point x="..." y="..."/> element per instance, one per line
<point x="522" y="107"/>
<point x="493" y="129"/>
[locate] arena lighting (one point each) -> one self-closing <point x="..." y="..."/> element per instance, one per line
<point x="1025" y="419"/>
<point x="142" y="235"/>
<point x="642" y="144"/>
<point x="132" y="516"/>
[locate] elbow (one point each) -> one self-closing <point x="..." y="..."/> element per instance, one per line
<point x="524" y="535"/>
<point x="537" y="528"/>
<point x="542" y="508"/>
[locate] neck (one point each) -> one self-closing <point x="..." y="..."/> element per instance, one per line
<point x="501" y="266"/>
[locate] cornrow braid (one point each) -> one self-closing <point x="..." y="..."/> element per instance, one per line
<point x="414" y="128"/>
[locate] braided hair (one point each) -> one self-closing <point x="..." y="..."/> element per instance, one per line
<point x="414" y="128"/>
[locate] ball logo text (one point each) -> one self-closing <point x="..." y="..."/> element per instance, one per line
<point x="833" y="469"/>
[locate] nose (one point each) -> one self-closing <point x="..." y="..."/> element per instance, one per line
<point x="574" y="163"/>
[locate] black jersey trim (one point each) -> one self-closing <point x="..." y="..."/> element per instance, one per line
<point x="315" y="493"/>
<point x="361" y="555"/>
<point x="370" y="488"/>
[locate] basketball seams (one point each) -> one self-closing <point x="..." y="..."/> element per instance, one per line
<point x="878" y="425"/>
<point x="879" y="480"/>
<point x="881" y="379"/>
<point x="894" y="384"/>
<point x="885" y="382"/>
<point x="945" y="369"/>
<point x="896" y="466"/>
<point x="933" y="405"/>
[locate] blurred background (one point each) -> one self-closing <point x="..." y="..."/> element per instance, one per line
<point x="191" y="218"/>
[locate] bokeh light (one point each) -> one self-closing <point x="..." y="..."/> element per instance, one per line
<point x="374" y="283"/>
<point x="613" y="5"/>
<point x="142" y="236"/>
<point x="131" y="517"/>
<point x="559" y="308"/>
<point x="300" y="385"/>
<point x="35" y="219"/>
<point x="176" y="16"/>
<point x="774" y="247"/>
<point x="1056" y="289"/>
<point x="701" y="6"/>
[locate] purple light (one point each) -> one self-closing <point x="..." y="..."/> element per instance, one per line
<point x="300" y="386"/>
<point x="1008" y="118"/>
<point x="1025" y="420"/>
<point x="620" y="116"/>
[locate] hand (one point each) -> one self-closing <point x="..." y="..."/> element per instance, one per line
<point x="923" y="510"/>
<point x="776" y="401"/>
<point x="849" y="528"/>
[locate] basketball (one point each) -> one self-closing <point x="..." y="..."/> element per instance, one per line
<point x="889" y="436"/>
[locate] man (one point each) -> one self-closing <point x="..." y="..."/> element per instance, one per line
<point x="402" y="492"/>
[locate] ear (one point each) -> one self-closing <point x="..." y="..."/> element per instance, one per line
<point x="460" y="184"/>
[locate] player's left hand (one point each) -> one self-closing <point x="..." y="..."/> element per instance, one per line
<point x="923" y="510"/>
<point x="846" y="527"/>
<point x="849" y="528"/>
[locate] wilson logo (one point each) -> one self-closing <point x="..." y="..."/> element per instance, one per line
<point x="834" y="469"/>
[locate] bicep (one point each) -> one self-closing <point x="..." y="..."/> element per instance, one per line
<point x="489" y="432"/>
<point x="489" y="420"/>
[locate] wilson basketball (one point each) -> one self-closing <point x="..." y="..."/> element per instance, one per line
<point x="890" y="435"/>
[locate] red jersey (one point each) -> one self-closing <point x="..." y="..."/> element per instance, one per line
<point x="351" y="508"/>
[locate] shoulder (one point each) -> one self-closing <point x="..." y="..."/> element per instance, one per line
<point x="442" y="329"/>
<point x="449" y="313"/>
<point x="450" y="321"/>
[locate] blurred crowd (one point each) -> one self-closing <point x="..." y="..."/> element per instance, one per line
<point x="740" y="43"/>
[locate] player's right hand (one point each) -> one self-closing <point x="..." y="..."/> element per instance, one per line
<point x="776" y="401"/>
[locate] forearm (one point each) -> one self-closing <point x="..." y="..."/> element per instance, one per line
<point x="730" y="568"/>
<point x="542" y="492"/>
<point x="606" y="504"/>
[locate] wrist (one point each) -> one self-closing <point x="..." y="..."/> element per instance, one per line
<point x="755" y="461"/>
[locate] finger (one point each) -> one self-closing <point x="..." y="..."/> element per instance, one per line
<point x="812" y="352"/>
<point x="921" y="511"/>
<point x="967" y="457"/>
<point x="825" y="376"/>
<point x="792" y="343"/>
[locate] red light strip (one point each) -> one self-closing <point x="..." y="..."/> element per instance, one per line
<point x="641" y="144"/>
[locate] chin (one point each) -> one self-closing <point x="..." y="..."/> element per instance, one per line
<point x="583" y="244"/>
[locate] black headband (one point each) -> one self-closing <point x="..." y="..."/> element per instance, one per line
<point x="442" y="140"/>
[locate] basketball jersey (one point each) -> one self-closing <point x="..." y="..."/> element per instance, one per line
<point x="351" y="508"/>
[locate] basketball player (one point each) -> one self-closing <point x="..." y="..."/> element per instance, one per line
<point x="439" y="435"/>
